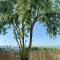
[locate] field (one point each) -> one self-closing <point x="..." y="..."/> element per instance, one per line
<point x="34" y="55"/>
<point x="45" y="55"/>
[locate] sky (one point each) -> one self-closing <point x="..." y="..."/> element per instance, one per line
<point x="40" y="38"/>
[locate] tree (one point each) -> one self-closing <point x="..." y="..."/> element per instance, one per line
<point x="22" y="16"/>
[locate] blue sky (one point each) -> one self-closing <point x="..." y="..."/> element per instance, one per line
<point x="40" y="38"/>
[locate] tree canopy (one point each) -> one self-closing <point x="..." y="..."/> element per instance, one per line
<point x="23" y="14"/>
<point x="27" y="10"/>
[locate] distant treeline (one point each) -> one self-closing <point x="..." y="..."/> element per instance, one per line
<point x="44" y="48"/>
<point x="33" y="48"/>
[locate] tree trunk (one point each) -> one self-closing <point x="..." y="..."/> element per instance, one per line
<point x="23" y="33"/>
<point x="24" y="58"/>
<point x="31" y="31"/>
<point x="30" y="36"/>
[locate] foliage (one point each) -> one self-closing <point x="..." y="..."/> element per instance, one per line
<point x="22" y="16"/>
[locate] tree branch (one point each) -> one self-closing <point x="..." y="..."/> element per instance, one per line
<point x="23" y="32"/>
<point x="33" y="23"/>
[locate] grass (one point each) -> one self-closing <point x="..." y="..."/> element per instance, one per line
<point x="35" y="54"/>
